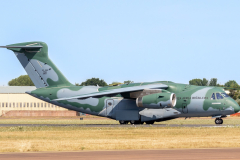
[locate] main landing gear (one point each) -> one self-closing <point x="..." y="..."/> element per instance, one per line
<point x="132" y="122"/>
<point x="135" y="122"/>
<point x="123" y="122"/>
<point x="218" y="121"/>
<point x="150" y="122"/>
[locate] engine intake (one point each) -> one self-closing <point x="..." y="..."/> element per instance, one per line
<point x="157" y="100"/>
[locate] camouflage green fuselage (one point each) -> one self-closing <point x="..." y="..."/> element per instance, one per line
<point x="192" y="101"/>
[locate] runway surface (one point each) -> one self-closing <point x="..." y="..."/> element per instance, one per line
<point x="118" y="125"/>
<point x="180" y="154"/>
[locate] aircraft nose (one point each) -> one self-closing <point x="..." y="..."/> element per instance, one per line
<point x="235" y="105"/>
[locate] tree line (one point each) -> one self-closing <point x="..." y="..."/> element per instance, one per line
<point x="24" y="80"/>
<point x="213" y="82"/>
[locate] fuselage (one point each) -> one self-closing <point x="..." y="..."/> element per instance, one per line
<point x="192" y="101"/>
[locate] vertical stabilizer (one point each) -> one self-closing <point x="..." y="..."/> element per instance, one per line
<point x="34" y="58"/>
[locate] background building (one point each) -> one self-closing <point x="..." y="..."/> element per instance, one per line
<point x="15" y="102"/>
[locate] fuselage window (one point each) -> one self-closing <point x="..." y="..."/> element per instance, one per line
<point x="225" y="95"/>
<point x="213" y="96"/>
<point x="219" y="96"/>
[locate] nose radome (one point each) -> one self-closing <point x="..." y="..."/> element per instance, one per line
<point x="235" y="105"/>
<point x="237" y="109"/>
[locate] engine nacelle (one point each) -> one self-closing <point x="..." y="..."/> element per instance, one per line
<point x="157" y="100"/>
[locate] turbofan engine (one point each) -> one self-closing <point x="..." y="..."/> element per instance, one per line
<point x="157" y="100"/>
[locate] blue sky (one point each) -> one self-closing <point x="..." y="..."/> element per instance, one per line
<point x="126" y="40"/>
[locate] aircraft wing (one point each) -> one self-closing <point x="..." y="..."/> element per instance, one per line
<point x="116" y="91"/>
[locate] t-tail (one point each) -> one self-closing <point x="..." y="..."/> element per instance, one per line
<point x="34" y="58"/>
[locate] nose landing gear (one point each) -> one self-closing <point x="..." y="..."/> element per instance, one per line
<point x="218" y="121"/>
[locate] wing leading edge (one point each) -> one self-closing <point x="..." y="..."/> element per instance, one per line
<point x="117" y="91"/>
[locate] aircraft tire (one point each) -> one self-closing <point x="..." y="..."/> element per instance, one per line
<point x="132" y="122"/>
<point x="150" y="122"/>
<point x="123" y="122"/>
<point x="221" y="121"/>
<point x="135" y="122"/>
<point x="218" y="121"/>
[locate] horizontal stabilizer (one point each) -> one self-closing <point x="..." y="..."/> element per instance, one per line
<point x="33" y="46"/>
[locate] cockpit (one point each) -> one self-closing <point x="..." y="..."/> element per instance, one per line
<point x="225" y="95"/>
<point x="219" y="96"/>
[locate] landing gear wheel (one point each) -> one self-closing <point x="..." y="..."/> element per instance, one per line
<point x="221" y="121"/>
<point x="150" y="122"/>
<point x="132" y="122"/>
<point x="135" y="122"/>
<point x="218" y="121"/>
<point x="123" y="122"/>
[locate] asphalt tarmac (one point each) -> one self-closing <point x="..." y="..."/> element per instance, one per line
<point x="175" y="154"/>
<point x="118" y="125"/>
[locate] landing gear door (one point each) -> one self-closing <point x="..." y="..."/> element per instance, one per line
<point x="109" y="107"/>
<point x="184" y="108"/>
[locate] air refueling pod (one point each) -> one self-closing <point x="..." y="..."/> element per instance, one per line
<point x="157" y="100"/>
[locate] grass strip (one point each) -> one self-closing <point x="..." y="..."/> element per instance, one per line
<point x="72" y="138"/>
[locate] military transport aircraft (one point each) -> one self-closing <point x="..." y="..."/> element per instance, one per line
<point x="135" y="102"/>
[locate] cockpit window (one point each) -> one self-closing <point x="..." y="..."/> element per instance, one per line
<point x="219" y="96"/>
<point x="225" y="95"/>
<point x="213" y="96"/>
